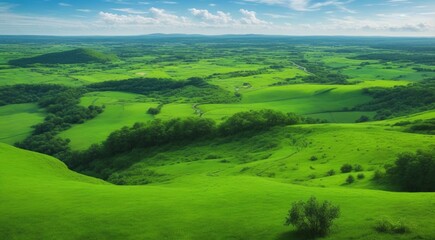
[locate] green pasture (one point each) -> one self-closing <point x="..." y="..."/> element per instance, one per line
<point x="121" y="109"/>
<point x="16" y="121"/>
<point x="306" y="99"/>
<point x="211" y="200"/>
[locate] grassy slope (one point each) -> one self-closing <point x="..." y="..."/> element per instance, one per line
<point x="306" y="99"/>
<point x="121" y="109"/>
<point x="16" y="121"/>
<point x="42" y="199"/>
<point x="284" y="154"/>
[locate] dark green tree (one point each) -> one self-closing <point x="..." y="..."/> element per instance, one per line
<point x="312" y="218"/>
<point x="414" y="172"/>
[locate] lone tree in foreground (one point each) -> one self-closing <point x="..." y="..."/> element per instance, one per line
<point x="312" y="217"/>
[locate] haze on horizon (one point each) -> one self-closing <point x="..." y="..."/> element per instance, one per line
<point x="212" y="17"/>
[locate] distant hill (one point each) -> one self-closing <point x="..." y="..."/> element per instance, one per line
<point x="79" y="55"/>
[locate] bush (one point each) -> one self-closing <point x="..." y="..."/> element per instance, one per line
<point x="363" y="118"/>
<point x="360" y="176"/>
<point x="350" y="179"/>
<point x="312" y="218"/>
<point x="414" y="172"/>
<point x="313" y="158"/>
<point x="358" y="168"/>
<point x="330" y="172"/>
<point x="153" y="111"/>
<point x="386" y="226"/>
<point x="346" y="168"/>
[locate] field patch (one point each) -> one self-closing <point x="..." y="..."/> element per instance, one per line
<point x="16" y="121"/>
<point x="121" y="109"/>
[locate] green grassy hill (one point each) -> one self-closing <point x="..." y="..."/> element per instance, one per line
<point x="221" y="186"/>
<point x="79" y="55"/>
<point x="215" y="199"/>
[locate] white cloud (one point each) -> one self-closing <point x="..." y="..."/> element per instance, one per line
<point x="167" y="18"/>
<point x="277" y="16"/>
<point x="305" y="5"/>
<point x="84" y="10"/>
<point x="156" y="17"/>
<point x="168" y="2"/>
<point x="384" y="23"/>
<point x="64" y="4"/>
<point x="130" y="21"/>
<point x="222" y="18"/>
<point x="5" y="7"/>
<point x="129" y="10"/>
<point x="250" y="17"/>
<point x="205" y="15"/>
<point x="111" y="18"/>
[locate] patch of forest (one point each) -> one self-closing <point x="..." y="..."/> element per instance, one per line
<point x="421" y="58"/>
<point x="400" y="100"/>
<point x="194" y="89"/>
<point x="79" y="55"/>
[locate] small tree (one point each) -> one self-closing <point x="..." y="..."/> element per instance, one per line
<point x="346" y="168"/>
<point x="311" y="217"/>
<point x="358" y="168"/>
<point x="350" y="179"/>
<point x="363" y="118"/>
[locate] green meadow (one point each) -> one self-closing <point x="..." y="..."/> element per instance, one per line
<point x="16" y="121"/>
<point x="240" y="204"/>
<point x="352" y="106"/>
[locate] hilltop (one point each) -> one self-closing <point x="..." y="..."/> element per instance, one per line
<point x="79" y="55"/>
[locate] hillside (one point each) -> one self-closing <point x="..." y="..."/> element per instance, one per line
<point x="240" y="204"/>
<point x="214" y="137"/>
<point x="79" y="55"/>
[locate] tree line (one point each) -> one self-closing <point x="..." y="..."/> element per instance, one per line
<point x="193" y="89"/>
<point x="63" y="111"/>
<point x="98" y="159"/>
<point x="399" y="100"/>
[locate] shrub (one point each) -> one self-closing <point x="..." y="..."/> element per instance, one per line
<point x="313" y="158"/>
<point x="350" y="179"/>
<point x="414" y="172"/>
<point x="153" y="111"/>
<point x="358" y="168"/>
<point x="330" y="172"/>
<point x="363" y="118"/>
<point x="360" y="176"/>
<point x="346" y="168"/>
<point x="386" y="226"/>
<point x="312" y="217"/>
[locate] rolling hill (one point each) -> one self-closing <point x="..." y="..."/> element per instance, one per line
<point x="79" y="55"/>
<point x="211" y="198"/>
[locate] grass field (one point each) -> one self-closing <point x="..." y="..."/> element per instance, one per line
<point x="121" y="109"/>
<point x="322" y="101"/>
<point x="16" y="121"/>
<point x="253" y="207"/>
<point x="234" y="187"/>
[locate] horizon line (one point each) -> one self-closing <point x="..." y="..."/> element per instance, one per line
<point x="213" y="35"/>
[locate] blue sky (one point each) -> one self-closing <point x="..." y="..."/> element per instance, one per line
<point x="282" y="17"/>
